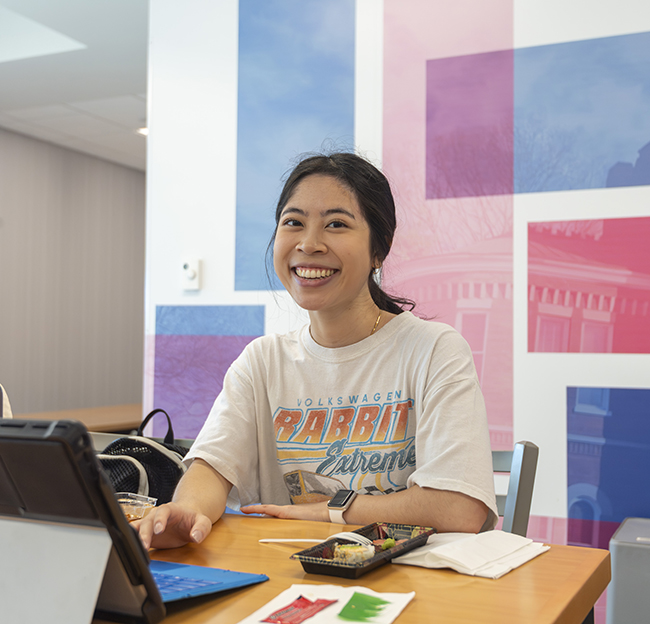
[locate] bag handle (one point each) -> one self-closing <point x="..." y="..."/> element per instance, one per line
<point x="169" y="437"/>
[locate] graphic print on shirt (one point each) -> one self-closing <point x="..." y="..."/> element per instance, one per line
<point x="358" y="442"/>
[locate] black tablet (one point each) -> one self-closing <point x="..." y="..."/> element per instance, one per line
<point x="49" y="474"/>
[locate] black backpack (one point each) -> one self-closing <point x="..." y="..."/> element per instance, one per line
<point x="141" y="465"/>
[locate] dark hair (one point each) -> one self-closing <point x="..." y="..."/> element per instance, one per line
<point x="372" y="192"/>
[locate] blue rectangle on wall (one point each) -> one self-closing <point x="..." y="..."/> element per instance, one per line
<point x="296" y="95"/>
<point x="582" y="114"/>
<point x="223" y="320"/>
<point x="608" y="435"/>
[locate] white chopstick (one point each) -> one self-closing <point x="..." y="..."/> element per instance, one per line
<point x="348" y="535"/>
<point x="279" y="539"/>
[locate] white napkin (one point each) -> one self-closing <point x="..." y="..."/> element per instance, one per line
<point x="329" y="615"/>
<point x="491" y="554"/>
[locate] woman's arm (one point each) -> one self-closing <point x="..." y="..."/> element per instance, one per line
<point x="442" y="509"/>
<point x="199" y="501"/>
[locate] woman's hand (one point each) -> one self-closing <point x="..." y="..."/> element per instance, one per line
<point x="173" y="525"/>
<point x="305" y="511"/>
<point x="199" y="501"/>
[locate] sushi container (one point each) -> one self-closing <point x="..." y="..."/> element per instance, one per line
<point x="135" y="506"/>
<point x="320" y="559"/>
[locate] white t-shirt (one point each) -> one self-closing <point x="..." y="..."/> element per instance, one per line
<point x="295" y="422"/>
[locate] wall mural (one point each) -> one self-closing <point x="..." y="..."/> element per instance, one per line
<point x="471" y="122"/>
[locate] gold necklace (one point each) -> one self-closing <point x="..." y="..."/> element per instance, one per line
<point x="376" y="323"/>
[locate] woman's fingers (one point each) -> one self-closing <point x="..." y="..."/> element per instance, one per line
<point x="152" y="524"/>
<point x="173" y="525"/>
<point x="201" y="529"/>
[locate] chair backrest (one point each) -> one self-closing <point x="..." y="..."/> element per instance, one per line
<point x="521" y="463"/>
<point x="102" y="440"/>
<point x="5" y="408"/>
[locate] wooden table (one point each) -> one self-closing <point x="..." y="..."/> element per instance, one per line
<point x="114" y="418"/>
<point x="560" y="585"/>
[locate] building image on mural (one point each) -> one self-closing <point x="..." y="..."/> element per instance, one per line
<point x="589" y="286"/>
<point x="478" y="302"/>
<point x="608" y="447"/>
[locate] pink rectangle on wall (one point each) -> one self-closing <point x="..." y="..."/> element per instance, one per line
<point x="452" y="255"/>
<point x="470" y="125"/>
<point x="417" y="31"/>
<point x="589" y="286"/>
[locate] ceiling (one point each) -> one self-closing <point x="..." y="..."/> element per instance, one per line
<point x="74" y="73"/>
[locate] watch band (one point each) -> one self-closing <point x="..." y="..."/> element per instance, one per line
<point x="339" y="504"/>
<point x="336" y="515"/>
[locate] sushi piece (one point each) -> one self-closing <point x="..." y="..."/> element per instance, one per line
<point x="353" y="553"/>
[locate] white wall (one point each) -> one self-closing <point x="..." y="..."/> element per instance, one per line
<point x="71" y="278"/>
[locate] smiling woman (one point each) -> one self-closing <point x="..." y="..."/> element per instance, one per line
<point x="355" y="205"/>
<point x="322" y="256"/>
<point x="407" y="442"/>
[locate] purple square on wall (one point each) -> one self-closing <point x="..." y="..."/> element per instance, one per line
<point x="188" y="376"/>
<point x="469" y="130"/>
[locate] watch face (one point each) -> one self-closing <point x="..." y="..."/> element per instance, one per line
<point x="341" y="498"/>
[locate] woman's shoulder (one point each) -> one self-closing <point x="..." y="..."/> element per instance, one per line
<point x="438" y="347"/>
<point x="427" y="336"/>
<point x="409" y="323"/>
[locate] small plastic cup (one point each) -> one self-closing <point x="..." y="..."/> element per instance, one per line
<point x="135" y="506"/>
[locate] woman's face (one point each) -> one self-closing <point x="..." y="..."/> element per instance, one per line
<point x="322" y="246"/>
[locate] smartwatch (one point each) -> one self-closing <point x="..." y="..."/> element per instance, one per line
<point x="339" y="504"/>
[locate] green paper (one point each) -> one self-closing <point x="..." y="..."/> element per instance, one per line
<point x="362" y="608"/>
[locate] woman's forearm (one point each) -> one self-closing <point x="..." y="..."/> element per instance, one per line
<point x="203" y="489"/>
<point x="199" y="501"/>
<point x="442" y="509"/>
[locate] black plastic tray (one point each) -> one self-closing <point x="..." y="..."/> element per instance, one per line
<point x="319" y="559"/>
